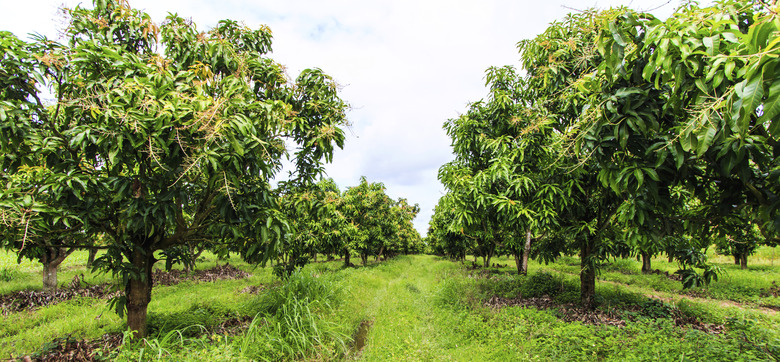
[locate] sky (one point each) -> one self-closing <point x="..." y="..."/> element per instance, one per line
<point x="404" y="66"/>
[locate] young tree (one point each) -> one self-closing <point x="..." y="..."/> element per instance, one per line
<point x="169" y="134"/>
<point x="367" y="207"/>
<point x="407" y="239"/>
<point x="441" y="238"/>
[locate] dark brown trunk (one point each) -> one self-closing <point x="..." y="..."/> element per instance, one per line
<point x="743" y="261"/>
<point x="736" y="259"/>
<point x="486" y="261"/>
<point x="670" y="257"/>
<point x="315" y="257"/>
<point x="526" y="251"/>
<point x="346" y="258"/>
<point x="139" y="291"/>
<point x="587" y="277"/>
<point x="364" y="258"/>
<point x="646" y="266"/>
<point x="519" y="264"/>
<point x="91" y="257"/>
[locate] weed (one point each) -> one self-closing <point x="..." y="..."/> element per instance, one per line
<point x="289" y="324"/>
<point x="7" y="275"/>
<point x="543" y="283"/>
<point x="696" y="311"/>
<point x="654" y="308"/>
<point x="623" y="266"/>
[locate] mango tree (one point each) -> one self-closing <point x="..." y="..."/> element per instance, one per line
<point x="36" y="221"/>
<point x="442" y="239"/>
<point x="701" y="89"/>
<point x="168" y="134"/>
<point x="501" y="187"/>
<point x="407" y="239"/>
<point x="367" y="207"/>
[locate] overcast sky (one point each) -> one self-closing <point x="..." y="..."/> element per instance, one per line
<point x="406" y="66"/>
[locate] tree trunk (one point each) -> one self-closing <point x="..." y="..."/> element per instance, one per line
<point x="91" y="257"/>
<point x="519" y="264"/>
<point x="330" y="257"/>
<point x="646" y="266"/>
<point x="50" y="276"/>
<point x="587" y="277"/>
<point x="743" y="261"/>
<point x="364" y="258"/>
<point x="381" y="250"/>
<point x="670" y="257"/>
<point x="51" y="260"/>
<point x="189" y="263"/>
<point x="346" y="258"/>
<point x="139" y="291"/>
<point x="736" y="259"/>
<point x="526" y="251"/>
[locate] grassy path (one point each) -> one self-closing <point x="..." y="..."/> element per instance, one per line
<point x="414" y="308"/>
<point x="402" y="301"/>
<point x="405" y="323"/>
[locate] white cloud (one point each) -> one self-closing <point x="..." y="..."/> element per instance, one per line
<point x="406" y="66"/>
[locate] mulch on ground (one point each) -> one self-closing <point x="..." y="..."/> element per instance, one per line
<point x="78" y="288"/>
<point x="219" y="272"/>
<point x="32" y="299"/>
<point x="67" y="349"/>
<point x="612" y="317"/>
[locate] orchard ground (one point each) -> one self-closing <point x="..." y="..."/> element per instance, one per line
<point x="411" y="308"/>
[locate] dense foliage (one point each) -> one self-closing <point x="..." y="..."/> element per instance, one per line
<point x="625" y="135"/>
<point x="363" y="220"/>
<point x="157" y="136"/>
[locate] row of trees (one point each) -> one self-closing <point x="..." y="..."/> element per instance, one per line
<point x="624" y="135"/>
<point x="152" y="141"/>
<point x="361" y="220"/>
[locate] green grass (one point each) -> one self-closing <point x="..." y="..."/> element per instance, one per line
<point x="734" y="284"/>
<point x="412" y="308"/>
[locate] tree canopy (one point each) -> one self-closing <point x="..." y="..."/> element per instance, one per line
<point x="625" y="135"/>
<point x="156" y="135"/>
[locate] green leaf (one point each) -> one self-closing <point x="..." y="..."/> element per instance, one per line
<point x="706" y="141"/>
<point x="753" y="92"/>
<point x="616" y="35"/>
<point x="623" y="136"/>
<point x="650" y="172"/>
<point x="772" y="104"/>
<point x="731" y="35"/>
<point x="640" y="177"/>
<point x="648" y="71"/>
<point x="712" y="44"/>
